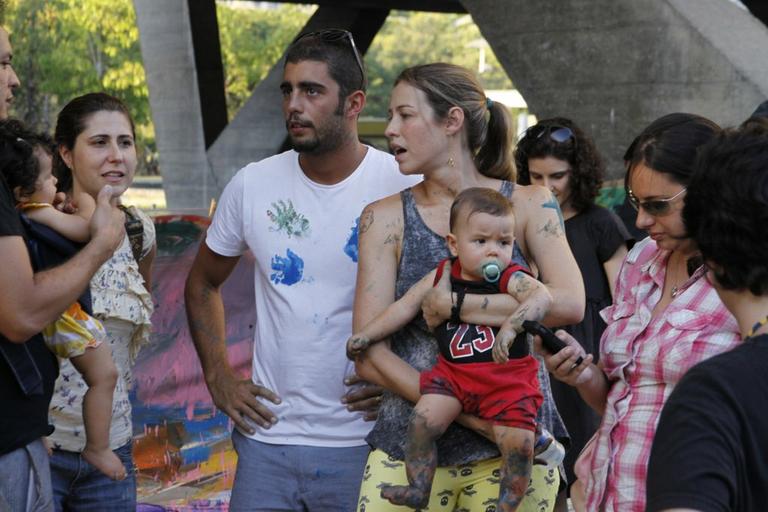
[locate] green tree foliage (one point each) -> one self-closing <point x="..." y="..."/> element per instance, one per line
<point x="409" y="38"/>
<point x="252" y="41"/>
<point x="63" y="48"/>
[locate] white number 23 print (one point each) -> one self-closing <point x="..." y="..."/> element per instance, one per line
<point x="464" y="343"/>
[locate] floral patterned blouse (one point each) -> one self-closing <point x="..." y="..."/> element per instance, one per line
<point x="124" y="306"/>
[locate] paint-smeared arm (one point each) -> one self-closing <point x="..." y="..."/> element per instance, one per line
<point x="380" y="235"/>
<point x="392" y="319"/>
<point x="476" y="308"/>
<point x="534" y="299"/>
<point x="238" y="398"/>
<point x="545" y="239"/>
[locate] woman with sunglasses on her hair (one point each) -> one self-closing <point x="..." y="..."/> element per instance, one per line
<point x="443" y="127"/>
<point x="666" y="317"/>
<point x="556" y="154"/>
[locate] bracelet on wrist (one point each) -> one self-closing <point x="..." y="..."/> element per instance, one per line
<point x="456" y="308"/>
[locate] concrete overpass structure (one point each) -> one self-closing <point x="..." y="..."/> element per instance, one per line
<point x="611" y="65"/>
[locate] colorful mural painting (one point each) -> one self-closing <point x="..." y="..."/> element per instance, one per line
<point x="181" y="442"/>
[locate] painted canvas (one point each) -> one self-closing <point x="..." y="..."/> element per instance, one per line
<point x="182" y="451"/>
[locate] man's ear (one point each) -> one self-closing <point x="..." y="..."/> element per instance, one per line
<point x="355" y="103"/>
<point x="454" y="120"/>
<point x="452" y="245"/>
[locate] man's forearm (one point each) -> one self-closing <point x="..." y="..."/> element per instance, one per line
<point x="205" y="315"/>
<point x="52" y="291"/>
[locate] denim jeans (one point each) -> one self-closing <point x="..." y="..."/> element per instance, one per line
<point x="79" y="486"/>
<point x="275" y="477"/>
<point x="25" y="479"/>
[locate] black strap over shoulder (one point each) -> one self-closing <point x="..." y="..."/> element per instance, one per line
<point x="134" y="228"/>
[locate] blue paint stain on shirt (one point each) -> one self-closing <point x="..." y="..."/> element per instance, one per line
<point x="287" y="270"/>
<point x="350" y="248"/>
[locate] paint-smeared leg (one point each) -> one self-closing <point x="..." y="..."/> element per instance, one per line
<point x="516" y="446"/>
<point x="430" y="418"/>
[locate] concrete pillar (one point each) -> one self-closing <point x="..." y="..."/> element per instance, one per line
<point x="616" y="65"/>
<point x="169" y="63"/>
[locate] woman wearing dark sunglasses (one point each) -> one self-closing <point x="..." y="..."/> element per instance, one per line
<point x="666" y="317"/>
<point x="556" y="154"/>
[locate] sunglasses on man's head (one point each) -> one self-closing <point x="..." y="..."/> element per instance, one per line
<point x="332" y="35"/>
<point x="654" y="207"/>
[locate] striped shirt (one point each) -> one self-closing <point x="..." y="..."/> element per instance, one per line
<point x="644" y="358"/>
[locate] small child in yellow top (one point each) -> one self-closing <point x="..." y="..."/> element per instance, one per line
<point x="75" y="335"/>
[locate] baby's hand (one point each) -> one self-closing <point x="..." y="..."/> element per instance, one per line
<point x="356" y="345"/>
<point x="504" y="340"/>
<point x="105" y="461"/>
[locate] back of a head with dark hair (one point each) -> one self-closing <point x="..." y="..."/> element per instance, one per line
<point x="479" y="200"/>
<point x="72" y="121"/>
<point x="669" y="145"/>
<point x="587" y="166"/>
<point x="337" y="54"/>
<point x="486" y="123"/>
<point x="18" y="162"/>
<point x="726" y="207"/>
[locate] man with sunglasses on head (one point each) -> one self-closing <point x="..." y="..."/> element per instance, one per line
<point x="300" y="418"/>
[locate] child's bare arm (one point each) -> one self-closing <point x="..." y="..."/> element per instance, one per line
<point x="86" y="205"/>
<point x="70" y="226"/>
<point x="535" y="301"/>
<point x="393" y="318"/>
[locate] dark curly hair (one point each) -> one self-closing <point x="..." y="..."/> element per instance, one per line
<point x="587" y="166"/>
<point x="726" y="208"/>
<point x="18" y="162"/>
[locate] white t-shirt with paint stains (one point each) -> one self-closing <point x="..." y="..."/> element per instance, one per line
<point x="303" y="237"/>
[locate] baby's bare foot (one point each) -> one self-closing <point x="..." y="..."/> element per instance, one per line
<point x="405" y="495"/>
<point x="105" y="461"/>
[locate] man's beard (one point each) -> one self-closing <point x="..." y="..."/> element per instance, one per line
<point x="328" y="137"/>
